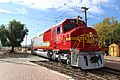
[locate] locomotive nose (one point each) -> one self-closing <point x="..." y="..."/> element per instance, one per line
<point x="84" y="39"/>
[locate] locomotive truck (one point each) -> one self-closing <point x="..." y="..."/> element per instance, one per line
<point x="71" y="42"/>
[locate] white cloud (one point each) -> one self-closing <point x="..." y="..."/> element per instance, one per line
<point x="2" y="10"/>
<point x="96" y="9"/>
<point x="115" y="7"/>
<point x="16" y="11"/>
<point x="4" y="1"/>
<point x="95" y="5"/>
<point x="99" y="1"/>
<point x="21" y="11"/>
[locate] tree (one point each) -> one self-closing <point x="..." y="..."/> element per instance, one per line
<point x="116" y="35"/>
<point x="3" y="37"/>
<point x="15" y="33"/>
<point x="106" y="28"/>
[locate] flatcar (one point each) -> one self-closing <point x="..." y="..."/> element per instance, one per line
<point x="71" y="42"/>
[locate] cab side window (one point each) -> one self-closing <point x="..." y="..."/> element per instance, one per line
<point x="59" y="29"/>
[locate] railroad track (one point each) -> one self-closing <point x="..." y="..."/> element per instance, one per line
<point x="107" y="73"/>
<point x="79" y="74"/>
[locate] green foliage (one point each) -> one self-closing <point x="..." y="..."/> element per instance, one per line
<point x="109" y="27"/>
<point x="3" y="38"/>
<point x="13" y="34"/>
<point x="116" y="35"/>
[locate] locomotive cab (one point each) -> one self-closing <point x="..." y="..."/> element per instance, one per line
<point x="64" y="32"/>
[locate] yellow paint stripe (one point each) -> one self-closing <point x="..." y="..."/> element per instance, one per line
<point x="40" y="47"/>
<point x="82" y="38"/>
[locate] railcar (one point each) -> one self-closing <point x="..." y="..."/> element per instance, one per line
<point x="71" y="42"/>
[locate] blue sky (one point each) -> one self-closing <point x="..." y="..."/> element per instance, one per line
<point x="39" y="15"/>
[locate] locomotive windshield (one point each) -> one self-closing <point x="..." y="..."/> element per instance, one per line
<point x="68" y="27"/>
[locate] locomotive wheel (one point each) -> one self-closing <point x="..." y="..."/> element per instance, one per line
<point x="49" y="54"/>
<point x="53" y="57"/>
<point x="33" y="52"/>
<point x="68" y="61"/>
<point x="59" y="58"/>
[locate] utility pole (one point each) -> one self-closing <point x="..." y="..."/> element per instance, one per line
<point x="85" y="10"/>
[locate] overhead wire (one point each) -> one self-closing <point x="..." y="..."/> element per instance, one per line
<point x="74" y="7"/>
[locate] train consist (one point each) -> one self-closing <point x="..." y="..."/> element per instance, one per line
<point x="71" y="42"/>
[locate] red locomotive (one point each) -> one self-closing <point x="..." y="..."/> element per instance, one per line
<point x="70" y="41"/>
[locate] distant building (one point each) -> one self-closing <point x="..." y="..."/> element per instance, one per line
<point x="114" y="50"/>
